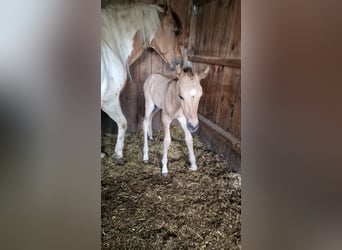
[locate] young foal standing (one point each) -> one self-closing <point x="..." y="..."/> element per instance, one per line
<point x="126" y="31"/>
<point x="178" y="99"/>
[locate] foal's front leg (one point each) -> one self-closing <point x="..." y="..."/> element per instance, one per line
<point x="189" y="143"/>
<point x="167" y="141"/>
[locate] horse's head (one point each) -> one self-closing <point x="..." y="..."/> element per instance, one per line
<point x="165" y="42"/>
<point x="189" y="93"/>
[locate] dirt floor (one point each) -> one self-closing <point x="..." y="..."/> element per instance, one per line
<point x="141" y="209"/>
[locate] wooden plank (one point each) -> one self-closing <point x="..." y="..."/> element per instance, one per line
<point x="234" y="141"/>
<point x="221" y="14"/>
<point x="225" y="103"/>
<point x="211" y="8"/>
<point x="211" y="92"/>
<point x="234" y="63"/>
<point x="222" y="142"/>
<point x="200" y="30"/>
<point x="235" y="126"/>
<point x="192" y="33"/>
<point x="233" y="38"/>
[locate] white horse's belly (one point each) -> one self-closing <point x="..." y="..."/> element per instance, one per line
<point x="113" y="75"/>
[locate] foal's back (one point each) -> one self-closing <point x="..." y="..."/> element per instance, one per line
<point x="155" y="87"/>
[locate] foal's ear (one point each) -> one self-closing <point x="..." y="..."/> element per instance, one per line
<point x="179" y="71"/>
<point x="204" y="74"/>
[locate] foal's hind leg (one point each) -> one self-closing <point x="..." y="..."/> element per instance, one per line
<point x="113" y="109"/>
<point x="149" y="106"/>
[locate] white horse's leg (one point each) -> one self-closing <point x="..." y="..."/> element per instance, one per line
<point x="149" y="106"/>
<point x="113" y="109"/>
<point x="189" y="143"/>
<point x="167" y="141"/>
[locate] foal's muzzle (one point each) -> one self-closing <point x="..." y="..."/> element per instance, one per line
<point x="192" y="128"/>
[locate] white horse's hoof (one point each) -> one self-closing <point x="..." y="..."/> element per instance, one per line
<point x="103" y="155"/>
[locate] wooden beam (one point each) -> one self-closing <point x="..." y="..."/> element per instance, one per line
<point x="234" y="63"/>
<point x="233" y="142"/>
<point x="222" y="142"/>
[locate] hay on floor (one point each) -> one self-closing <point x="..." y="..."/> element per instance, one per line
<point x="141" y="209"/>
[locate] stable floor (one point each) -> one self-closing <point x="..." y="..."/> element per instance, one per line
<point x="141" y="209"/>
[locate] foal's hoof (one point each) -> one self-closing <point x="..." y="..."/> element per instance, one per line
<point x="103" y="155"/>
<point x="164" y="174"/>
<point x="145" y="161"/>
<point x="193" y="168"/>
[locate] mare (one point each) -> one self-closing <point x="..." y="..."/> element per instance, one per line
<point x="126" y="32"/>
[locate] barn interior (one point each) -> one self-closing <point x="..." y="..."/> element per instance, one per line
<point x="140" y="208"/>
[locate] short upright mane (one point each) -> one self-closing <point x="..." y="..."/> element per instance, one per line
<point x="121" y="22"/>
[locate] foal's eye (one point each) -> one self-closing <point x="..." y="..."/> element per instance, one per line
<point x="181" y="97"/>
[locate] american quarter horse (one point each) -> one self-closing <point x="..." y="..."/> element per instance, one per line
<point x="126" y="31"/>
<point x="178" y="99"/>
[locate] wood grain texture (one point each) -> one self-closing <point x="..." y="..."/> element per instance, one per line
<point x="234" y="63"/>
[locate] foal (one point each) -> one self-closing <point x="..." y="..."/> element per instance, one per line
<point x="178" y="99"/>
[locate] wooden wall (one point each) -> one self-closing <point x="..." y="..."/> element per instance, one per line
<point x="212" y="36"/>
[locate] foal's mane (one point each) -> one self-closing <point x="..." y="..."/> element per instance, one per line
<point x="121" y="22"/>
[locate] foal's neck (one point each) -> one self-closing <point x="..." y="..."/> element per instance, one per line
<point x="172" y="101"/>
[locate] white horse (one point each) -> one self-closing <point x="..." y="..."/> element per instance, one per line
<point x="126" y="31"/>
<point x="178" y="99"/>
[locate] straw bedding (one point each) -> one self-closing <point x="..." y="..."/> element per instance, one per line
<point x="141" y="209"/>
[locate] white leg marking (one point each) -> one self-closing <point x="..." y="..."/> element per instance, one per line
<point x="189" y="143"/>
<point x="167" y="142"/>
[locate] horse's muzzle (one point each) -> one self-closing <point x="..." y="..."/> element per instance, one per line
<point x="192" y="128"/>
<point x="175" y="62"/>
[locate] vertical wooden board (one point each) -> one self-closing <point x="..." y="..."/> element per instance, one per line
<point x="224" y="48"/>
<point x="234" y="39"/>
<point x="235" y="128"/>
<point x="211" y="24"/>
<point x="225" y="104"/>
<point x="211" y="92"/>
<point x="192" y="32"/>
<point x="219" y="28"/>
<point x="199" y="30"/>
<point x="205" y="29"/>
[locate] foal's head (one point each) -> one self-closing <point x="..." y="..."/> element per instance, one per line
<point x="165" y="43"/>
<point x="189" y="93"/>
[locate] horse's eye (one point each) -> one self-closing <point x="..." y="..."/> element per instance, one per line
<point x="181" y="97"/>
<point x="176" y="31"/>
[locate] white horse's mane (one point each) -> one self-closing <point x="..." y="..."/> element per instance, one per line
<point x="121" y="22"/>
